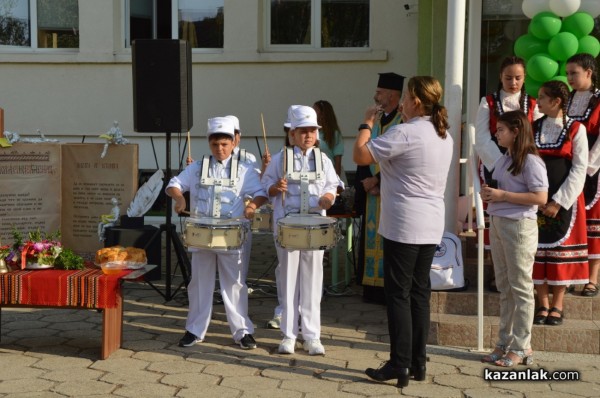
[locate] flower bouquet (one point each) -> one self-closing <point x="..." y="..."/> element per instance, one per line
<point x="39" y="251"/>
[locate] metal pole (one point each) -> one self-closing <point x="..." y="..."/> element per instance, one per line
<point x="455" y="34"/>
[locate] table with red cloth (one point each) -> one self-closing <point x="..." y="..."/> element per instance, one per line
<point x="88" y="288"/>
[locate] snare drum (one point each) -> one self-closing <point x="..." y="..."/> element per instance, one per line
<point x="263" y="220"/>
<point x="307" y="232"/>
<point x="215" y="233"/>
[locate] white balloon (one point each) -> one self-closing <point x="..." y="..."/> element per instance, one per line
<point x="533" y="7"/>
<point x="591" y="7"/>
<point x="564" y="8"/>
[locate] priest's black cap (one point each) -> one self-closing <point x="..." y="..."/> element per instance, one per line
<point x="390" y="80"/>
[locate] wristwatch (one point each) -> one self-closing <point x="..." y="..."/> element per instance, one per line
<point x="364" y="126"/>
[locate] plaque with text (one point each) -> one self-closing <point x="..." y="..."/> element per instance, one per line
<point x="30" y="194"/>
<point x="89" y="182"/>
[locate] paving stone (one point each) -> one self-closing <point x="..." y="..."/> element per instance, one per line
<point x="146" y="390"/>
<point x="84" y="387"/>
<point x="53" y="363"/>
<point x="285" y="373"/>
<point x="144" y="345"/>
<point x="323" y="387"/>
<point x="425" y="390"/>
<point x="120" y="365"/>
<point x="460" y="381"/>
<point x="249" y="383"/>
<point x="371" y="389"/>
<point x="80" y="373"/>
<point x="576" y="388"/>
<point x="29" y="384"/>
<point x="521" y="386"/>
<point x="18" y="373"/>
<point x="272" y="394"/>
<point x="190" y="380"/>
<point x="171" y="367"/>
<point x="225" y="370"/>
<point x="494" y="392"/>
<point x="209" y="392"/>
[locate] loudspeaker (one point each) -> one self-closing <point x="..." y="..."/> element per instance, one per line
<point x="162" y="85"/>
<point x="148" y="238"/>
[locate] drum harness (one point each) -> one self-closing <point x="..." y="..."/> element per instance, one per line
<point x="218" y="183"/>
<point x="305" y="177"/>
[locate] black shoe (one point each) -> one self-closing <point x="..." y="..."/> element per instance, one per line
<point x="554" y="320"/>
<point x="189" y="339"/>
<point x="389" y="372"/>
<point x="247" y="342"/>
<point x="540" y="319"/>
<point x="418" y="372"/>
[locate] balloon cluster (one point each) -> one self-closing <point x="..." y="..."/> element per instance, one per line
<point x="558" y="30"/>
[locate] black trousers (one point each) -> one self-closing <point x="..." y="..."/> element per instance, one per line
<point x="407" y="290"/>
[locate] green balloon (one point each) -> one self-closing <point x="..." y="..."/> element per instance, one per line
<point x="562" y="78"/>
<point x="562" y="46"/>
<point x="532" y="86"/>
<point x="545" y="25"/>
<point x="528" y="45"/>
<point x="580" y="24"/>
<point x="589" y="45"/>
<point x="562" y="68"/>
<point x="542" y="67"/>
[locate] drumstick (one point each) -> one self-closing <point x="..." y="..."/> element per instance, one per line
<point x="189" y="145"/>
<point x="185" y="212"/>
<point x="284" y="173"/>
<point x="262" y="120"/>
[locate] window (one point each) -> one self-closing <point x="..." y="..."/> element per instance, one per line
<point x="199" y="22"/>
<point x="55" y="23"/>
<point x="319" y="23"/>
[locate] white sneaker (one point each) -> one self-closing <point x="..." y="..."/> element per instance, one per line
<point x="287" y="346"/>
<point x="314" y="347"/>
<point x="274" y="323"/>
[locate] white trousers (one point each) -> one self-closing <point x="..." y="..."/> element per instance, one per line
<point x="234" y="292"/>
<point x="301" y="283"/>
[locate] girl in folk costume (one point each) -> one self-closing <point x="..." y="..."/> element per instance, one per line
<point x="584" y="106"/>
<point x="510" y="96"/>
<point x="562" y="249"/>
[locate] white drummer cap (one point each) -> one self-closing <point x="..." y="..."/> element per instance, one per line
<point x="303" y="116"/>
<point x="220" y="125"/>
<point x="287" y="122"/>
<point x="236" y="122"/>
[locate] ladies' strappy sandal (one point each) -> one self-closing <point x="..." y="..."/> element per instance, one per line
<point x="525" y="358"/>
<point x="495" y="355"/>
<point x="590" y="290"/>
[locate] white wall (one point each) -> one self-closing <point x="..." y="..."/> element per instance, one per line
<point x="73" y="94"/>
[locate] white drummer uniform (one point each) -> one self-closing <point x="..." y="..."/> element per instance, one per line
<point x="206" y="201"/>
<point x="301" y="270"/>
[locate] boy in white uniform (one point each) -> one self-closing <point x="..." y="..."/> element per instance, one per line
<point x="301" y="270"/>
<point x="218" y="192"/>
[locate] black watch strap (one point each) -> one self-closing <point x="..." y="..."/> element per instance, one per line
<point x="364" y="126"/>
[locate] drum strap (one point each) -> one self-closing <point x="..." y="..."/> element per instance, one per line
<point x="242" y="155"/>
<point x="304" y="177"/>
<point x="217" y="183"/>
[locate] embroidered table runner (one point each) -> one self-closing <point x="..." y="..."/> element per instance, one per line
<point x="88" y="288"/>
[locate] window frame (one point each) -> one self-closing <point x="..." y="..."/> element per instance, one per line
<point x="315" y="33"/>
<point x="33" y="36"/>
<point x="174" y="26"/>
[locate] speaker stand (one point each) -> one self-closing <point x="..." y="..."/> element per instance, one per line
<point x="172" y="239"/>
